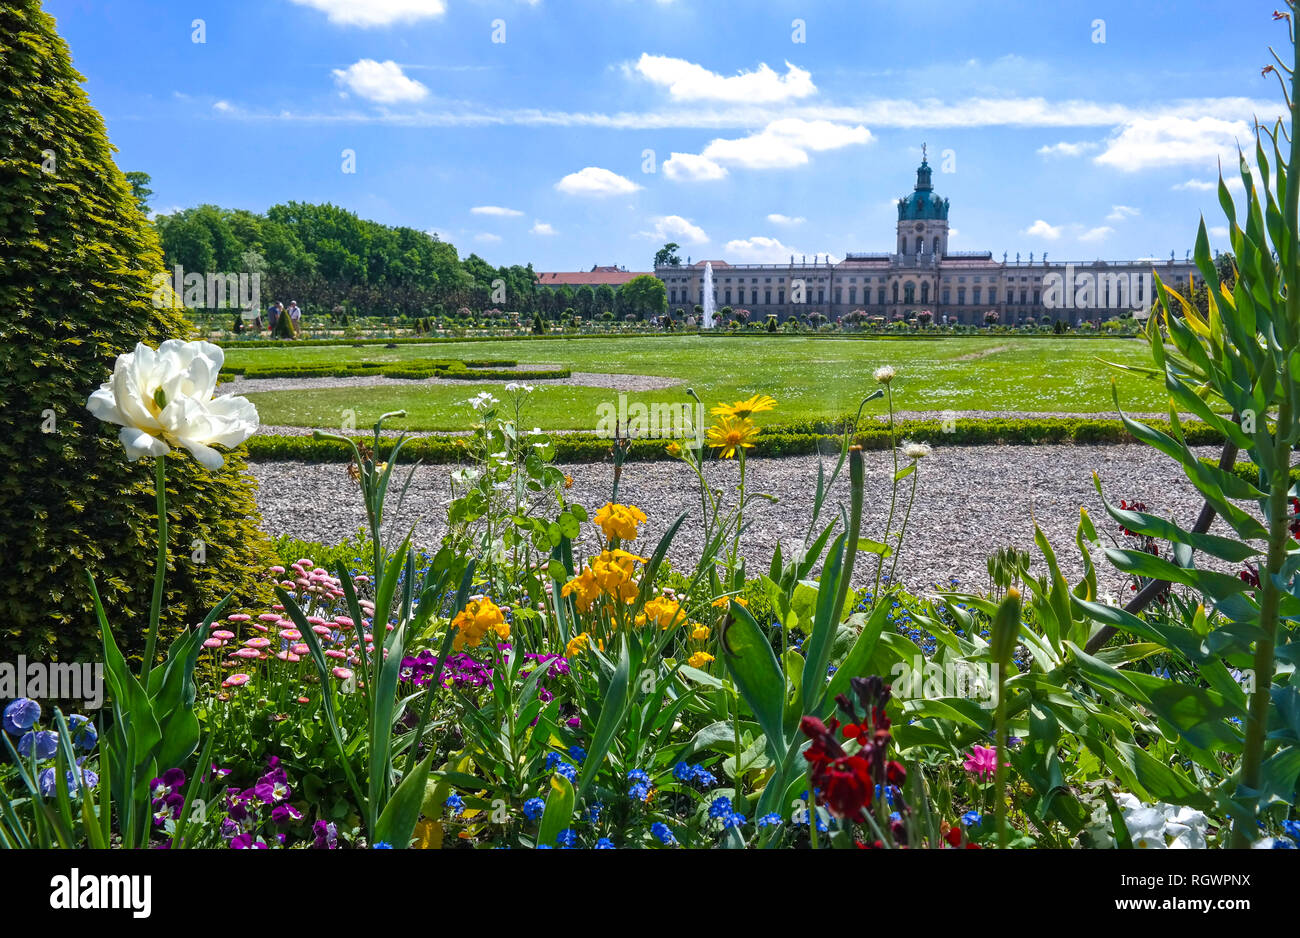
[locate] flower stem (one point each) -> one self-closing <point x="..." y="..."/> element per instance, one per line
<point x="160" y="568"/>
<point x="893" y="497"/>
<point x="1000" y="761"/>
<point x="911" y="498"/>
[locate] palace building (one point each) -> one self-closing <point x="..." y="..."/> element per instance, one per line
<point x="922" y="274"/>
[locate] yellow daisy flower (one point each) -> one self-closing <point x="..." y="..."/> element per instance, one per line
<point x="743" y="410"/>
<point x="730" y="434"/>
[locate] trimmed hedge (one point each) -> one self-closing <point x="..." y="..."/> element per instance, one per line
<point x="797" y="439"/>
<point x="77" y="291"/>
<point x="657" y="334"/>
<point x="1250" y="472"/>
<point x="482" y="370"/>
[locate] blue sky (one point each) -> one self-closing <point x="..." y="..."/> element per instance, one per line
<point x="766" y="138"/>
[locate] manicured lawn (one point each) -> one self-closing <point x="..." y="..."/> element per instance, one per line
<point x="810" y="377"/>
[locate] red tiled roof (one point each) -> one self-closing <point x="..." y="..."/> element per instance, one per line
<point x="593" y="278"/>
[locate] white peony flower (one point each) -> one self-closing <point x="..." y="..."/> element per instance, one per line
<point x="163" y="398"/>
<point x="1162" y="826"/>
<point x="885" y="374"/>
<point x="915" y="451"/>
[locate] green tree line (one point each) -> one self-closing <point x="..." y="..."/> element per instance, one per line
<point x="331" y="261"/>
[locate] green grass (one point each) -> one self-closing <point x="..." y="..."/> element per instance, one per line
<point x="810" y="377"/>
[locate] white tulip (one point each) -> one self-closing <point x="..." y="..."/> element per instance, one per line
<point x="163" y="398"/>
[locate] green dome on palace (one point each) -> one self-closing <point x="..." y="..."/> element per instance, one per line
<point x="922" y="203"/>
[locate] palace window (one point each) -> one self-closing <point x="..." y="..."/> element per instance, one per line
<point x="961" y="295"/>
<point x="978" y="291"/>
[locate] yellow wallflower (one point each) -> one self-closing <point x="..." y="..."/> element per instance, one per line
<point x="663" y="611"/>
<point x="578" y="644"/>
<point x="730" y="434"/>
<point x="723" y="602"/>
<point x="674" y="449"/>
<point x="613" y="571"/>
<point x="743" y="410"/>
<point x="699" y="632"/>
<point x="479" y="617"/>
<point x="699" y="659"/>
<point x="586" y="588"/>
<point x="619" y="521"/>
<point x="610" y="574"/>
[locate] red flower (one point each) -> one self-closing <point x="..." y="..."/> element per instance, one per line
<point x="844" y="781"/>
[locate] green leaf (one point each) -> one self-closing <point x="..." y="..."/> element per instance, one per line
<point x="396" y="825"/>
<point x="752" y="663"/>
<point x="612" y="713"/>
<point x="558" y="813"/>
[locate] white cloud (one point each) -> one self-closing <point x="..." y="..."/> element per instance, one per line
<point x="687" y="81"/>
<point x="542" y="228"/>
<point x="777" y="218"/>
<point x="594" y="181"/>
<point x="383" y="82"/>
<point x="1041" y="229"/>
<point x="1171" y="141"/>
<point x="1067" y="149"/>
<point x="225" y="107"/>
<point x="1096" y="234"/>
<point x="785" y="143"/>
<point x="376" y="12"/>
<point x="764" y="250"/>
<point x="1121" y="212"/>
<point x="487" y="237"/>
<point x="692" y="167"/>
<point x="495" y="210"/>
<point x="1233" y="182"/>
<point x="902" y="113"/>
<point x="1218" y="231"/>
<point x="675" y="228"/>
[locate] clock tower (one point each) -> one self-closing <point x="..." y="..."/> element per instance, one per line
<point x="923" y="218"/>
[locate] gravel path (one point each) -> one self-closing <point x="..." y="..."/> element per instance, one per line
<point x="969" y="502"/>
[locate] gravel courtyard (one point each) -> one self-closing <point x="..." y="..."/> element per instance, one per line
<point x="964" y="496"/>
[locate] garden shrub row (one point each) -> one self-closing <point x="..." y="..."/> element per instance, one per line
<point x="797" y="439"/>
<point x="440" y="340"/>
<point x="1250" y="472"/>
<point x="477" y="370"/>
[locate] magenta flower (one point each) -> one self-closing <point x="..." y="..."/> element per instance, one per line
<point x="982" y="762"/>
